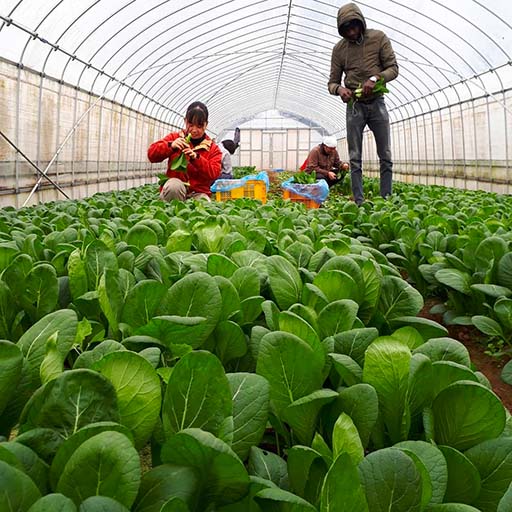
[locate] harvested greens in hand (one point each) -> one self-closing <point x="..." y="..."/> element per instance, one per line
<point x="180" y="162"/>
<point x="379" y="89"/>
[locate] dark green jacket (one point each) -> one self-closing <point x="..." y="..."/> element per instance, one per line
<point x="356" y="62"/>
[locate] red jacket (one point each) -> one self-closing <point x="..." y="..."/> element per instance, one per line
<point x="201" y="172"/>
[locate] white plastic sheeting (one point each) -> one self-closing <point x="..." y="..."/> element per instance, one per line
<point x="243" y="57"/>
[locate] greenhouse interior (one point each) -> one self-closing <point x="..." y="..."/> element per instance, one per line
<point x="255" y="256"/>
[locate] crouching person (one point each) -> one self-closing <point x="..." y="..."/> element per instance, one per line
<point x="325" y="162"/>
<point x="194" y="160"/>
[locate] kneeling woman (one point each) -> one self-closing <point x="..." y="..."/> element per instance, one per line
<point x="203" y="157"/>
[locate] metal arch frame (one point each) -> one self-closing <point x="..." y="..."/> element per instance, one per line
<point x="251" y="4"/>
<point x="305" y="27"/>
<point x="208" y="56"/>
<point x="414" y="104"/>
<point x="283" y="53"/>
<point x="323" y="3"/>
<point x="156" y="84"/>
<point x="167" y="103"/>
<point x="90" y="34"/>
<point x="222" y="106"/>
<point x="318" y="119"/>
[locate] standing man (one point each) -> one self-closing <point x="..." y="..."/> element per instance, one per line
<point x="363" y="56"/>
<point x="325" y="161"/>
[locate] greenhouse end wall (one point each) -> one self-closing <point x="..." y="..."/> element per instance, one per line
<point x="106" y="152"/>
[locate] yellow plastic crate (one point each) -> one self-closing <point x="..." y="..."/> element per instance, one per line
<point x="254" y="189"/>
<point x="292" y="196"/>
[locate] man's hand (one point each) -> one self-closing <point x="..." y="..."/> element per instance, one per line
<point x="332" y="176"/>
<point x="345" y="166"/>
<point x="368" y="87"/>
<point x="345" y="94"/>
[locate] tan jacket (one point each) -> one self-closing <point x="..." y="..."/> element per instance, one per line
<point x="359" y="61"/>
<point x="321" y="162"/>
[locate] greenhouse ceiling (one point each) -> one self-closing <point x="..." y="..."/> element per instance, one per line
<point x="243" y="57"/>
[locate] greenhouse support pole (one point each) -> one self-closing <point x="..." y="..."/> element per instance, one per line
<point x="43" y="175"/>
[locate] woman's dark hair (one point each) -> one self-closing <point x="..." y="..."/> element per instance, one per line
<point x="197" y="113"/>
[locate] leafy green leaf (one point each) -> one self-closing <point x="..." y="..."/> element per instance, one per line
<point x="222" y="476"/>
<point x="445" y="349"/>
<point x="337" y="317"/>
<point x="345" y="439"/>
<point x="164" y="482"/>
<point x="434" y="462"/>
<point x="18" y="490"/>
<point x="349" y="371"/>
<point x="11" y="363"/>
<point x="342" y="490"/>
<point x="456" y="279"/>
<point x="113" y="470"/>
<point x="277" y="500"/>
<point x="198" y="395"/>
<point x="71" y="401"/>
<point x="68" y="446"/>
<point x="291" y="368"/>
<point x="268" y="465"/>
<point x="493" y="460"/>
<point x="53" y="503"/>
<point x="381" y="474"/>
<point x="143" y="302"/>
<point x="196" y="295"/>
<point x="306" y="472"/>
<point x="354" y="343"/>
<point x="101" y="504"/>
<point x="302" y="415"/>
<point x="463" y="478"/>
<point x="284" y="281"/>
<point x="251" y="395"/>
<point x="467" y="413"/>
<point x="398" y="298"/>
<point x="487" y="325"/>
<point x="138" y="392"/>
<point x="506" y="373"/>
<point x="386" y="368"/>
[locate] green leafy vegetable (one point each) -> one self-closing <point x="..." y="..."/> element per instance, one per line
<point x="379" y="89"/>
<point x="304" y="178"/>
<point x="162" y="178"/>
<point x="180" y="162"/>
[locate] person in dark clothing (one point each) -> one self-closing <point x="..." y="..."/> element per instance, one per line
<point x="362" y="57"/>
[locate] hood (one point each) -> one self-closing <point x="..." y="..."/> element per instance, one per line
<point x="350" y="12"/>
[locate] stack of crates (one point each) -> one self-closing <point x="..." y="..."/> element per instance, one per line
<point x="306" y="201"/>
<point x="254" y="189"/>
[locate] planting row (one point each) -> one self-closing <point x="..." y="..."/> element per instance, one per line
<point x="270" y="357"/>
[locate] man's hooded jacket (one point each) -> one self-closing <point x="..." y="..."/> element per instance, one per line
<point x="358" y="61"/>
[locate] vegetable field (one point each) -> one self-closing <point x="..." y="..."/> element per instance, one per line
<point x="239" y="357"/>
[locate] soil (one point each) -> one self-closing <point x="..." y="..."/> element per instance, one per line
<point x="490" y="366"/>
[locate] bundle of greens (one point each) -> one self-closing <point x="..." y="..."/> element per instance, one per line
<point x="304" y="178"/>
<point x="379" y="89"/>
<point x="180" y="162"/>
<point x="162" y="178"/>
